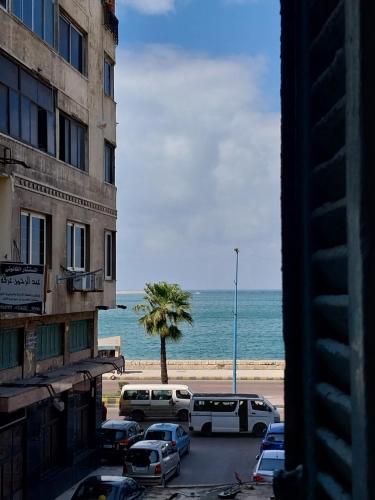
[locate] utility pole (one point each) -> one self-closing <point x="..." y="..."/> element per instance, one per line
<point x="234" y="378"/>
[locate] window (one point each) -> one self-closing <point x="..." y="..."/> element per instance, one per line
<point x="72" y="142"/>
<point x="27" y="109"/>
<point x="140" y="395"/>
<point x="79" y="335"/>
<point x="109" y="163"/>
<point x="3" y="3"/>
<point x="75" y="246"/>
<point x="109" y="255"/>
<point x="108" y="77"/>
<point x="161" y="395"/>
<point x="33" y="238"/>
<point x="11" y="341"/>
<point x="49" y="341"/>
<point x="38" y="15"/>
<point x="71" y="44"/>
<point x="258" y="405"/>
<point x="183" y="394"/>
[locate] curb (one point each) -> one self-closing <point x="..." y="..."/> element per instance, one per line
<point x="132" y="379"/>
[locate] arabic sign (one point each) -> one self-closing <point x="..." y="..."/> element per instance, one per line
<point x="21" y="288"/>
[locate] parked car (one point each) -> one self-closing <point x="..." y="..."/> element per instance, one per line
<point x="268" y="463"/>
<point x="152" y="461"/>
<point x="174" y="433"/>
<point x="108" y="487"/>
<point x="117" y="436"/>
<point x="274" y="438"/>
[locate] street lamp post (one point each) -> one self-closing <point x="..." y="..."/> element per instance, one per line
<point x="235" y="329"/>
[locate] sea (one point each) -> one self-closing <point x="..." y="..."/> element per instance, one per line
<point x="259" y="327"/>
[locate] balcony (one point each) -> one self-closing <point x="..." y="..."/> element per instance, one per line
<point x="110" y="20"/>
<point x="85" y="282"/>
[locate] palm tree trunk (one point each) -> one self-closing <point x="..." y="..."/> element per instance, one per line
<point x="163" y="361"/>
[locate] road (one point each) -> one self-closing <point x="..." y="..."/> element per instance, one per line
<point x="213" y="460"/>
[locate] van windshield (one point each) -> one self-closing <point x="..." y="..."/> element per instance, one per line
<point x="142" y="457"/>
<point x="159" y="435"/>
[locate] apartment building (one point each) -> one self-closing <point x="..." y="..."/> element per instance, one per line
<point x="57" y="220"/>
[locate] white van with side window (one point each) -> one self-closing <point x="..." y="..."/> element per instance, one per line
<point x="247" y="413"/>
<point x="140" y="401"/>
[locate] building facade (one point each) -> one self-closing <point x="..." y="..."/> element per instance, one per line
<point x="57" y="210"/>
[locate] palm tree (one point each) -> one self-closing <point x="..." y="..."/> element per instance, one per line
<point x="166" y="307"/>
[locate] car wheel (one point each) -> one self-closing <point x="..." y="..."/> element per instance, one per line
<point x="137" y="415"/>
<point x="183" y="415"/>
<point x="163" y="482"/>
<point x="259" y="429"/>
<point x="178" y="469"/>
<point x="206" y="429"/>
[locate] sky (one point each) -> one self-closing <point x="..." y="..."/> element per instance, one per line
<point x="198" y="143"/>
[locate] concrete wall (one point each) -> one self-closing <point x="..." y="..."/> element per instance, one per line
<point x="51" y="186"/>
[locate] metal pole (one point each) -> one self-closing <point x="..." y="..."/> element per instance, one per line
<point x="234" y="387"/>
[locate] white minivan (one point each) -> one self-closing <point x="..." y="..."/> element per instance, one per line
<point x="139" y="401"/>
<point x="244" y="413"/>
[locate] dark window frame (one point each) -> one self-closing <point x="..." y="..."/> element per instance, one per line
<point x="109" y="163"/>
<point x="108" y="71"/>
<point x="109" y="255"/>
<point x="72" y="30"/>
<point x="48" y="7"/>
<point x="67" y="126"/>
<point x="30" y="114"/>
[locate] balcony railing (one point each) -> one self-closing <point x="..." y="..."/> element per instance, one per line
<point x="110" y="21"/>
<point x="85" y="282"/>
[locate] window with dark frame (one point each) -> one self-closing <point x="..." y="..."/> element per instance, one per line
<point x="27" y="107"/>
<point x="71" y="44"/>
<point x="109" y="163"/>
<point x="108" y="79"/>
<point x="38" y="15"/>
<point x="75" y="246"/>
<point x="109" y="256"/>
<point x="72" y="142"/>
<point x="33" y="238"/>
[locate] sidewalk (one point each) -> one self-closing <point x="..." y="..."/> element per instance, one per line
<point x="198" y="374"/>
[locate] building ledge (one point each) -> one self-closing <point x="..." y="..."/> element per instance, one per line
<point x="22" y="393"/>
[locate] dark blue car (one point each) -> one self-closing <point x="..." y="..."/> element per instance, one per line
<point x="274" y="438"/>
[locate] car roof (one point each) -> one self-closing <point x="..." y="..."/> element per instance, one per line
<point x="156" y="387"/>
<point x="163" y="427"/>
<point x="117" y="424"/>
<point x="276" y="428"/>
<point x="278" y="454"/>
<point x="149" y="444"/>
<point x="226" y="395"/>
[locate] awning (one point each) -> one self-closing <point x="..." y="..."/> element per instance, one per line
<point x="21" y="393"/>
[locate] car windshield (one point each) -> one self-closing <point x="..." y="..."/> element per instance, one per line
<point x="271" y="464"/>
<point x="95" y="491"/>
<point x="113" y="434"/>
<point x="159" y="435"/>
<point x="142" y="458"/>
<point x="271" y="436"/>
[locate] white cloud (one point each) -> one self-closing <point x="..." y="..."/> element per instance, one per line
<point x="197" y="168"/>
<point x="151" y="7"/>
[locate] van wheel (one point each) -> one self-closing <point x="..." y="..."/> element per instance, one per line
<point x="206" y="429"/>
<point x="163" y="482"/>
<point x="183" y="416"/>
<point x="137" y="415"/>
<point x="259" y="429"/>
<point x="178" y="469"/>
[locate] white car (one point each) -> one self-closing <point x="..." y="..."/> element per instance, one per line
<point x="269" y="461"/>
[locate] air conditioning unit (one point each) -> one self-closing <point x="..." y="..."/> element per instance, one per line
<point x="86" y="282"/>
